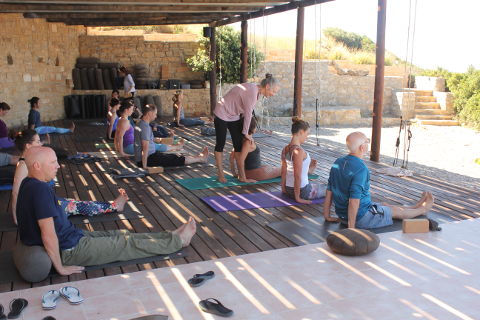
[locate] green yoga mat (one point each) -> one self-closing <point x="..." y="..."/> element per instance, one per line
<point x="211" y="182"/>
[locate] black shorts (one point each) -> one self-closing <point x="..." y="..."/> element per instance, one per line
<point x="234" y="127"/>
<point x="160" y="159"/>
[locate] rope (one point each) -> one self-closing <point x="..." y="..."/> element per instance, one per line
<point x="220" y="95"/>
<point x="319" y="90"/>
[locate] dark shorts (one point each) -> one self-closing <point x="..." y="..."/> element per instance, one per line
<point x="160" y="159"/>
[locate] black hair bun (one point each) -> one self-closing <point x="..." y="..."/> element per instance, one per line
<point x="268" y="76"/>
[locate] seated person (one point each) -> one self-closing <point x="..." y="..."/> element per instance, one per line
<point x="124" y="137"/>
<point x="349" y="187"/>
<point x="29" y="138"/>
<point x="112" y="118"/>
<point x="179" y="114"/>
<point x="114" y="95"/>
<point x="42" y="222"/>
<point x="34" y="121"/>
<point x="250" y="167"/>
<point x="297" y="164"/>
<point x="146" y="152"/>
<point x="5" y="141"/>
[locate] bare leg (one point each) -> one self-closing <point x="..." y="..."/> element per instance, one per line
<point x="232" y="164"/>
<point x="186" y="232"/>
<point x="219" y="163"/>
<point x="313" y="165"/>
<point x="174" y="148"/>
<point x="264" y="173"/>
<point x="202" y="157"/>
<point x="401" y="213"/>
<point x="121" y="200"/>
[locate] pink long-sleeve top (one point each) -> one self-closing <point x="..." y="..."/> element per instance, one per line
<point x="240" y="100"/>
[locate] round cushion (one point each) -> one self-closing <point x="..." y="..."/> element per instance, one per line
<point x="32" y="262"/>
<point x="353" y="242"/>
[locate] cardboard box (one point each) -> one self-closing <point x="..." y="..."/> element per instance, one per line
<point x="415" y="226"/>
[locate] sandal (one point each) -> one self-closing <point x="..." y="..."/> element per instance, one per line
<point x="198" y="279"/>
<point x="49" y="300"/>
<point x="72" y="294"/>
<point x="16" y="308"/>
<point x="3" y="316"/>
<point x="215" y="307"/>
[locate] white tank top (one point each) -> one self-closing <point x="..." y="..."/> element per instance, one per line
<point x="290" y="175"/>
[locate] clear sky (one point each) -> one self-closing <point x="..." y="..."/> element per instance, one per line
<point x="446" y="31"/>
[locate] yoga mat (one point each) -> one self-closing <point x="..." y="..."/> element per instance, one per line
<point x="252" y="201"/>
<point x="6" y="222"/>
<point x="105" y="145"/>
<point x="128" y="213"/>
<point x="9" y="273"/>
<point x="315" y="230"/>
<point x="6" y="187"/>
<point x="211" y="182"/>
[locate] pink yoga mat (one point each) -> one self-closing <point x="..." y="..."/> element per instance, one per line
<point x="252" y="201"/>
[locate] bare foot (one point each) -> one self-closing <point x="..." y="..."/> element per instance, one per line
<point x="421" y="201"/>
<point x="187" y="232"/>
<point x="204" y="155"/>
<point x="121" y="200"/>
<point x="313" y="165"/>
<point x="72" y="127"/>
<point x="222" y="179"/>
<point x="427" y="205"/>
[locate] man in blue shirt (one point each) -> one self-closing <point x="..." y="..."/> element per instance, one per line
<point x="349" y="188"/>
<point x="41" y="221"/>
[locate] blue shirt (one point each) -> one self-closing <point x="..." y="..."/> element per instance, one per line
<point x="36" y="201"/>
<point x="349" y="179"/>
<point x="34" y="118"/>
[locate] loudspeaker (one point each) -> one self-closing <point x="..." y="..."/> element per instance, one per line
<point x="207" y="32"/>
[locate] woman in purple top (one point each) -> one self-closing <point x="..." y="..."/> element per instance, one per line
<point x="234" y="112"/>
<point x="5" y="141"/>
<point x="124" y="133"/>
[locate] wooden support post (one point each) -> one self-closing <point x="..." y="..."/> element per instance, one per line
<point x="297" y="86"/>
<point x="244" y="53"/>
<point x="379" y="81"/>
<point x="213" y="73"/>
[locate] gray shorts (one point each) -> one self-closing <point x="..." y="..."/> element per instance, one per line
<point x="5" y="159"/>
<point x="377" y="216"/>
<point x="313" y="190"/>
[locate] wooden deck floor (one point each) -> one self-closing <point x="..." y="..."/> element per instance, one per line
<point x="166" y="205"/>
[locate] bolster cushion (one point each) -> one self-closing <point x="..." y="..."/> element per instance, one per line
<point x="353" y="242"/>
<point x="32" y="262"/>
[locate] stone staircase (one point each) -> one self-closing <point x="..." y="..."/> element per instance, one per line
<point x="428" y="111"/>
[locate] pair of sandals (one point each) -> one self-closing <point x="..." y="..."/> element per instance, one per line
<point x="71" y="294"/>
<point x="16" y="308"/>
<point x="209" y="305"/>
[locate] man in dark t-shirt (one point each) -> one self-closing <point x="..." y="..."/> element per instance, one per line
<point x="41" y="221"/>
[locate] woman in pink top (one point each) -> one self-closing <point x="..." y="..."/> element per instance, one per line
<point x="234" y="113"/>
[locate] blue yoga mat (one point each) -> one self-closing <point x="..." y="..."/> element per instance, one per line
<point x="252" y="201"/>
<point x="6" y="187"/>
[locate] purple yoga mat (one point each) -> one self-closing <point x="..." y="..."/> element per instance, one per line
<point x="251" y="201"/>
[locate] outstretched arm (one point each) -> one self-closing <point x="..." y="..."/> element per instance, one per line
<point x="298" y="156"/>
<point x="284" y="173"/>
<point x="326" y="207"/>
<point x="241" y="161"/>
<point x="232" y="164"/>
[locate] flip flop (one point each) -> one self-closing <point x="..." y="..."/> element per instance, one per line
<point x="199" y="279"/>
<point x="215" y="307"/>
<point x="72" y="294"/>
<point x="3" y="316"/>
<point x="49" y="300"/>
<point x="16" y="308"/>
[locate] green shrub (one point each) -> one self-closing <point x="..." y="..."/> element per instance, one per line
<point x="362" y="57"/>
<point x="350" y="39"/>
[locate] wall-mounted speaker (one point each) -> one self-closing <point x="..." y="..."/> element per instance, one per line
<point x="207" y="32"/>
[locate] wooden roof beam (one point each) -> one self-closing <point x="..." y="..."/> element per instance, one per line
<point x="138" y="22"/>
<point x="212" y="3"/>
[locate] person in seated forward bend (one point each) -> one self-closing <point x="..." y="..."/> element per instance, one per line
<point x="42" y="222"/>
<point x="146" y="154"/>
<point x="297" y="164"/>
<point x="250" y="168"/>
<point x="349" y="188"/>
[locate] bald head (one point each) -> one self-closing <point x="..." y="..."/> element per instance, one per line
<point x="41" y="163"/>
<point x="355" y="140"/>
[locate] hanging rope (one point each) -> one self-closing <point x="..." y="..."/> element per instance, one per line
<point x="317" y="75"/>
<point x="220" y="94"/>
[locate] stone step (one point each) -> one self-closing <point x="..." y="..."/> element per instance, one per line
<point x="434" y="117"/>
<point x="425" y="99"/>
<point x="333" y="115"/>
<point x="432" y="111"/>
<point x="423" y="92"/>
<point x="427" y="105"/>
<point x="439" y="122"/>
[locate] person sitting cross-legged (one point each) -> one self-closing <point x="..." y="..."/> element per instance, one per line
<point x="42" y="222"/>
<point x="349" y="188"/>
<point x="146" y="152"/>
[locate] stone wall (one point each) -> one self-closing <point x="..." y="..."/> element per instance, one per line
<point x="36" y="59"/>
<point x="196" y="101"/>
<point x="332" y="90"/>
<point x="166" y="60"/>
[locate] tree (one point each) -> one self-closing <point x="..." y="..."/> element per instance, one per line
<point x="228" y="56"/>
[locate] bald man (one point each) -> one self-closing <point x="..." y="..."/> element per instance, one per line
<point x="349" y="188"/>
<point x="42" y="222"/>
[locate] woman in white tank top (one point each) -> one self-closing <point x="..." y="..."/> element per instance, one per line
<point x="297" y="164"/>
